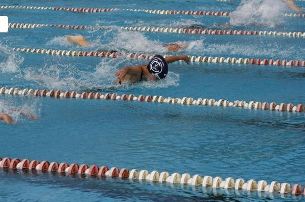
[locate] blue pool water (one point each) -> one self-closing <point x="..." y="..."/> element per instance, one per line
<point x="200" y="140"/>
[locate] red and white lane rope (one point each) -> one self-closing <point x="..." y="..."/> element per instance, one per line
<point x="152" y="11"/>
<point x="94" y="170"/>
<point x="252" y="105"/>
<point x="155" y="29"/>
<point x="141" y="56"/>
<point x="78" y="10"/>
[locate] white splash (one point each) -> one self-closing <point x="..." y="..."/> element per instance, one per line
<point x="172" y="80"/>
<point x="56" y="76"/>
<point x="259" y="12"/>
<point x="29" y="110"/>
<point x="59" y="41"/>
<point x="135" y="42"/>
<point x="10" y="60"/>
<point x="184" y="23"/>
<point x="248" y="50"/>
<point x="194" y="46"/>
<point x="69" y="77"/>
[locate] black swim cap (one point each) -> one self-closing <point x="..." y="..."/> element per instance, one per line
<point x="158" y="67"/>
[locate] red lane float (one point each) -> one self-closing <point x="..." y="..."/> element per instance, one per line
<point x="252" y="105"/>
<point x="53" y="167"/>
<point x="43" y="166"/>
<point x="33" y="164"/>
<point x="5" y="163"/>
<point x="62" y="168"/>
<point x="23" y="165"/>
<point x="72" y="169"/>
<point x="176" y="30"/>
<point x="154" y="176"/>
<point x="92" y="171"/>
<point x="82" y="169"/>
<point x="141" y="56"/>
<point x="102" y="171"/>
<point x="14" y="163"/>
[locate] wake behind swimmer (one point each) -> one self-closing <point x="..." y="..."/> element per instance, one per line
<point x="262" y="12"/>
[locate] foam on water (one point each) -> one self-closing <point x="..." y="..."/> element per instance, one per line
<point x="194" y="46"/>
<point x="29" y="109"/>
<point x="9" y="60"/>
<point x="135" y="42"/>
<point x="172" y="80"/>
<point x="259" y="12"/>
<point x="183" y="23"/>
<point x="249" y="50"/>
<point x="59" y="41"/>
<point x="58" y="76"/>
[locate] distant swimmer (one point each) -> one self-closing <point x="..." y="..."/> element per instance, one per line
<point x="78" y="40"/>
<point x="174" y="47"/>
<point x="292" y="5"/>
<point x="156" y="69"/>
<point x="8" y="119"/>
<point x="81" y="41"/>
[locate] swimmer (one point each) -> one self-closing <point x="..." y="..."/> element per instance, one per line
<point x="81" y="41"/>
<point x="78" y="40"/>
<point x="174" y="47"/>
<point x="156" y="69"/>
<point x="8" y="119"/>
<point x="292" y="5"/>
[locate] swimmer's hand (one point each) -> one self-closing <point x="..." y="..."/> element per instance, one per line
<point x="186" y="59"/>
<point x="291" y="4"/>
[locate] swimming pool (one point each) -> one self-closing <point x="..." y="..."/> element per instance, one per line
<point x="225" y="142"/>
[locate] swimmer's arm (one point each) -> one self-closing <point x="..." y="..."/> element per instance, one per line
<point x="170" y="59"/>
<point x="291" y="4"/>
<point x="133" y="70"/>
<point x="6" y="118"/>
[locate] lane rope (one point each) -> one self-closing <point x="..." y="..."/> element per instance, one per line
<point x="79" y="10"/>
<point x="155" y="29"/>
<point x="184" y="101"/>
<point x="134" y="175"/>
<point x="151" y="11"/>
<point x="141" y="56"/>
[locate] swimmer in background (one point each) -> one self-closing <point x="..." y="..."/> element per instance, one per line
<point x="78" y="40"/>
<point x="8" y="119"/>
<point x="292" y="5"/>
<point x="155" y="70"/>
<point x="81" y="41"/>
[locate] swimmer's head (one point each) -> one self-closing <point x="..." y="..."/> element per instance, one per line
<point x="158" y="67"/>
